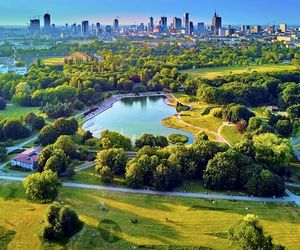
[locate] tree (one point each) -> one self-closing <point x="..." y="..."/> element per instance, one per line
<point x="60" y="222"/>
<point x="106" y="174"/>
<point x="48" y="135"/>
<point x="235" y="113"/>
<point x="57" y="161"/>
<point x="65" y="126"/>
<point x="111" y="139"/>
<point x="66" y="143"/>
<point x="14" y="129"/>
<point x="2" y="104"/>
<point x="284" y="127"/>
<point x="272" y="151"/>
<point x="42" y="187"/>
<point x="265" y="183"/>
<point x="254" y="124"/>
<point x="248" y="234"/>
<point x="294" y="111"/>
<point x="166" y="176"/>
<point x="114" y="158"/>
<point x="145" y="140"/>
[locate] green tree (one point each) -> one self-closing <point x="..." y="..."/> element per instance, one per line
<point x="114" y="158"/>
<point x="66" y="143"/>
<point x="14" y="129"/>
<point x="111" y="139"/>
<point x="48" y="135"/>
<point x="60" y="222"/>
<point x="107" y="176"/>
<point x="65" y="126"/>
<point x="42" y="187"/>
<point x="272" y="151"/>
<point x="248" y="234"/>
<point x="284" y="127"/>
<point x="2" y="104"/>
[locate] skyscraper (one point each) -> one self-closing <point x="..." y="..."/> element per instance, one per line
<point x="216" y="24"/>
<point x="177" y="24"/>
<point x="35" y="26"/>
<point x="191" y="28"/>
<point x="164" y="24"/>
<point x="186" y="22"/>
<point x="256" y="29"/>
<point x="85" y="28"/>
<point x="47" y="22"/>
<point x="116" y="25"/>
<point x="200" y="27"/>
<point x="283" y="27"/>
<point x="151" y="25"/>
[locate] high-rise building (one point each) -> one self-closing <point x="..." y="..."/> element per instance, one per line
<point x="191" y="28"/>
<point x="47" y="22"/>
<point x="245" y="29"/>
<point x="116" y="25"/>
<point x="177" y="24"/>
<point x="85" y="28"/>
<point x="186" y="21"/>
<point x="164" y="24"/>
<point x="216" y="24"/>
<point x="35" y="26"/>
<point x="283" y="27"/>
<point x="256" y="29"/>
<point x="151" y="25"/>
<point x="200" y="27"/>
<point x="108" y="29"/>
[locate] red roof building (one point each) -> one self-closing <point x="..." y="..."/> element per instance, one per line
<point x="27" y="159"/>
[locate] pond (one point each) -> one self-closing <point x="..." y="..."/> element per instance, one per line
<point x="134" y="117"/>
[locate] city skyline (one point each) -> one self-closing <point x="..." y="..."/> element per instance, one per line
<point x="233" y="12"/>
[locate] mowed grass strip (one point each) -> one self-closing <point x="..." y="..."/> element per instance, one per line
<point x="143" y="220"/>
<point x="231" y="134"/>
<point x="53" y="61"/>
<point x="16" y="111"/>
<point x="214" y="72"/>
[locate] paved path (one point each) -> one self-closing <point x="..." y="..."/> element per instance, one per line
<point x="295" y="141"/>
<point x="293" y="185"/>
<point x="290" y="198"/>
<point x="84" y="166"/>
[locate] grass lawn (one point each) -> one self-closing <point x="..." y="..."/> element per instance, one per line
<point x="53" y="61"/>
<point x="231" y="70"/>
<point x="15" y="111"/>
<point x="162" y="222"/>
<point x="231" y="134"/>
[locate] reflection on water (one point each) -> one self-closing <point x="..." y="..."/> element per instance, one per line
<point x="134" y="117"/>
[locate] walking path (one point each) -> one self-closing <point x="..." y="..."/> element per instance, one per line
<point x="290" y="198"/>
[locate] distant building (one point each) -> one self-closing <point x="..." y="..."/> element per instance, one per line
<point x="85" y="28"/>
<point x="216" y="24"/>
<point x="108" y="29"/>
<point x="116" y="25"/>
<point x="35" y="26"/>
<point x="177" y="24"/>
<point x="151" y="25"/>
<point x="200" y="27"/>
<point x="164" y="24"/>
<point x="27" y="159"/>
<point x="245" y="29"/>
<point x="186" y="22"/>
<point x="191" y="28"/>
<point x="47" y="22"/>
<point x="283" y="27"/>
<point x="257" y="29"/>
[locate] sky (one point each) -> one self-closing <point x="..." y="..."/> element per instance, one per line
<point x="265" y="12"/>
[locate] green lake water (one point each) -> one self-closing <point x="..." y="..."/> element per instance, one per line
<point x="135" y="116"/>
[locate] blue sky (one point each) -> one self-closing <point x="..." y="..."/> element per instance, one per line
<point x="18" y="12"/>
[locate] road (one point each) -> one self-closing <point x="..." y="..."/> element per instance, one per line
<point x="290" y="198"/>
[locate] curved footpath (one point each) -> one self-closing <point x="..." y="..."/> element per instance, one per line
<point x="290" y="198"/>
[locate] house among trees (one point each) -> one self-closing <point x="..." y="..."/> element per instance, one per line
<point x="27" y="159"/>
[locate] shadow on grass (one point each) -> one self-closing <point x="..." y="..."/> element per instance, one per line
<point x="6" y="236"/>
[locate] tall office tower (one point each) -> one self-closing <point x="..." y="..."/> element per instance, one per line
<point x="35" y="26"/>
<point x="98" y="29"/>
<point x="47" y="22"/>
<point x="200" y="27"/>
<point x="256" y="29"/>
<point x="164" y="24"/>
<point x="245" y="29"/>
<point x="151" y="25"/>
<point x="108" y="29"/>
<point x="191" y="28"/>
<point x="85" y="28"/>
<point x="186" y="21"/>
<point x="216" y="24"/>
<point x="116" y="25"/>
<point x="283" y="27"/>
<point x="74" y="28"/>
<point x="177" y="24"/>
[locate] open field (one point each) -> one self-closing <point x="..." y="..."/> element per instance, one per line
<point x="15" y="111"/>
<point x="162" y="221"/>
<point x="222" y="71"/>
<point x="53" y="61"/>
<point x="231" y="134"/>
